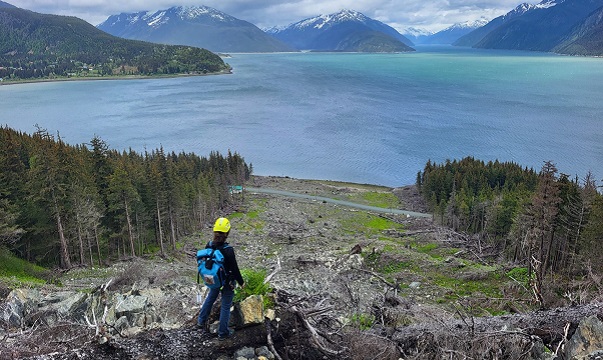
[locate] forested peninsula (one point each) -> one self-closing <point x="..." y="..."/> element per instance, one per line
<point x="37" y="46"/>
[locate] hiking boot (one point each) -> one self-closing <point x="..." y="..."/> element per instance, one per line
<point x="203" y="327"/>
<point x="224" y="337"/>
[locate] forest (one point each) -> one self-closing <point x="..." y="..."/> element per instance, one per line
<point x="40" y="46"/>
<point x="65" y="205"/>
<point x="546" y="221"/>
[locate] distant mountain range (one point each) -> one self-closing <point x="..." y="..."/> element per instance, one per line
<point x="199" y="26"/>
<point x="446" y="36"/>
<point x="563" y="26"/>
<point x="34" y="45"/>
<point x="346" y="30"/>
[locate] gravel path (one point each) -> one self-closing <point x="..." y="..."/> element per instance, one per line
<point x="338" y="202"/>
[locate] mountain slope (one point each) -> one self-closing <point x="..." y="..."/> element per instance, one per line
<point x="586" y="38"/>
<point x="417" y="36"/>
<point x="45" y="45"/>
<point x="542" y="28"/>
<point x="475" y="36"/>
<point x="539" y="29"/>
<point x="346" y="30"/>
<point x="199" y="26"/>
<point x="6" y="5"/>
<point x="452" y="33"/>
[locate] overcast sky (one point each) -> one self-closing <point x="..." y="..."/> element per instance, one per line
<point x="431" y="15"/>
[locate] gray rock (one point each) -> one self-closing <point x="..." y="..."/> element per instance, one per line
<point x="19" y="304"/>
<point x="245" y="353"/>
<point x="587" y="339"/>
<point x="263" y="351"/>
<point x="121" y="324"/>
<point x="414" y="285"/>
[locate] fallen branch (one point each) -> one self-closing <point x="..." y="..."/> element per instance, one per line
<point x="393" y="286"/>
<point x="277" y="269"/>
<point x="564" y="340"/>
<point x="315" y="336"/>
<point x="269" y="339"/>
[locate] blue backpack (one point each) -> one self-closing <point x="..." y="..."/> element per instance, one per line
<point x="210" y="266"/>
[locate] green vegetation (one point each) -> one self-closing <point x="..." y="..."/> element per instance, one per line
<point x="381" y="199"/>
<point x="521" y="275"/>
<point x="254" y="285"/>
<point x="362" y="321"/>
<point x="40" y="46"/>
<point x="368" y="224"/>
<point x="83" y="204"/>
<point x="18" y="270"/>
<point x="521" y="213"/>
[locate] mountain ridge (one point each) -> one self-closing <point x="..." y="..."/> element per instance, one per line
<point x="200" y="26"/>
<point x="448" y="35"/>
<point x="347" y="30"/>
<point x="549" y="26"/>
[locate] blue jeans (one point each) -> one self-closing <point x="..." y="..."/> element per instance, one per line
<point x="227" y="295"/>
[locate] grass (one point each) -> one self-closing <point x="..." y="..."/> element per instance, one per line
<point x="362" y="321"/>
<point x="18" y="271"/>
<point x="369" y="224"/>
<point x="380" y="199"/>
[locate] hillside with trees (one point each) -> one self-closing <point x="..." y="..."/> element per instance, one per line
<point x="548" y="222"/>
<point x="63" y="205"/>
<point x="38" y="46"/>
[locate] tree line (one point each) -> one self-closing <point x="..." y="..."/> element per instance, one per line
<point x="546" y="221"/>
<point x="62" y="205"/>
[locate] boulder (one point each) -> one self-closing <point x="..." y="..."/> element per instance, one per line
<point x="587" y="339"/>
<point x="133" y="307"/>
<point x="245" y="353"/>
<point x="251" y="310"/>
<point x="263" y="352"/>
<point x="19" y="304"/>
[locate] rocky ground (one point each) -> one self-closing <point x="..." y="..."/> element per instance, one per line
<point x="348" y="285"/>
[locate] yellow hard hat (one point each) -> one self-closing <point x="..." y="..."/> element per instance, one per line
<point x="222" y="225"/>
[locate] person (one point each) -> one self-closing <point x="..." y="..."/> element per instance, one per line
<point x="233" y="276"/>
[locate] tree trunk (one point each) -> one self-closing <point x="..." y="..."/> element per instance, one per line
<point x="130" y="230"/>
<point x="89" y="248"/>
<point x="173" y="230"/>
<point x="65" y="261"/>
<point x="81" y="244"/>
<point x="159" y="228"/>
<point x="97" y="246"/>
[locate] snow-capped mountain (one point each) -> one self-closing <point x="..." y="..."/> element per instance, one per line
<point x="540" y="27"/>
<point x="200" y="26"/>
<point x="451" y="33"/>
<point x="347" y="30"/>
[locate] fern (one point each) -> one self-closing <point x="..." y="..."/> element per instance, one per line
<point x="254" y="285"/>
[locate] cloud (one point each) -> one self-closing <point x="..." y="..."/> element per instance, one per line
<point x="432" y="15"/>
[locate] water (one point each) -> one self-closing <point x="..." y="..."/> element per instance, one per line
<point x="368" y="118"/>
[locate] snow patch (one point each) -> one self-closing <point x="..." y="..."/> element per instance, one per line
<point x="318" y="22"/>
<point x="547" y="4"/>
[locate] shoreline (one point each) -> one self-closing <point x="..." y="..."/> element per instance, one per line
<point x="115" y="77"/>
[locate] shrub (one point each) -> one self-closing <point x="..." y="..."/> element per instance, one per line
<point x="254" y="285"/>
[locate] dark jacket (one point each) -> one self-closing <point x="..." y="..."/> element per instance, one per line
<point x="230" y="261"/>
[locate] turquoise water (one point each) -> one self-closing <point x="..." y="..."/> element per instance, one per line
<point x="370" y="118"/>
